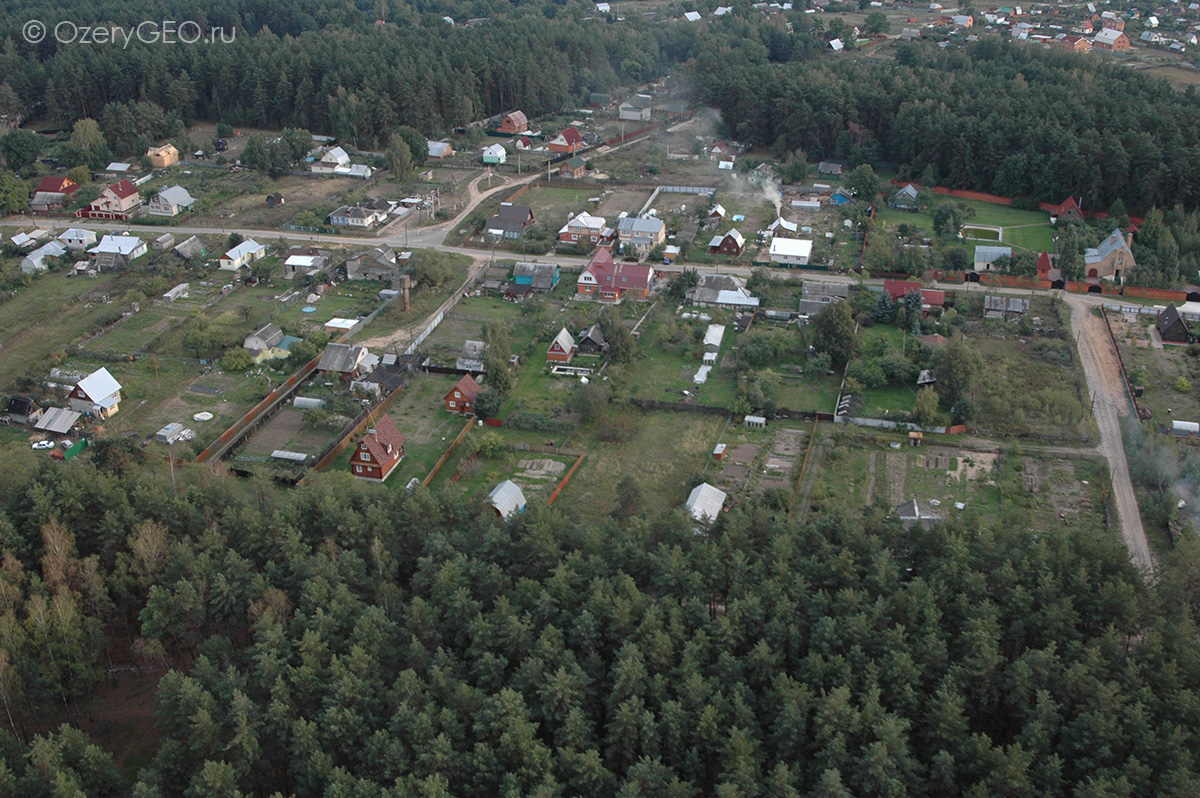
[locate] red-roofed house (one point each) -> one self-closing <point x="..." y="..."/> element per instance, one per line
<point x="118" y="201"/>
<point x="604" y="279"/>
<point x="1076" y="44"/>
<point x="57" y="185"/>
<point x="461" y="398"/>
<point x="930" y="297"/>
<point x="523" y="143"/>
<point x="513" y="123"/>
<point x="1066" y="211"/>
<point x="379" y="452"/>
<point x="898" y="289"/>
<point x="569" y="141"/>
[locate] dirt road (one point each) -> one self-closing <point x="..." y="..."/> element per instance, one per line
<point x="1107" y="386"/>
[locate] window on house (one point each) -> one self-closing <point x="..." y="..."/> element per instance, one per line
<point x="452" y="403"/>
<point x="358" y="469"/>
<point x="364" y="456"/>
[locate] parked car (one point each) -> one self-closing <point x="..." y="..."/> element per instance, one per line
<point x="66" y="443"/>
<point x="43" y="445"/>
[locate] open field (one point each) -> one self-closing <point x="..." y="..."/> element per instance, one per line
<point x="1022" y="229"/>
<point x="859" y="469"/>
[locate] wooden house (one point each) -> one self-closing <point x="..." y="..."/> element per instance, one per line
<point x="379" y="451"/>
<point x="461" y="398"/>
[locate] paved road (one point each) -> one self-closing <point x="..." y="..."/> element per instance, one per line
<point x="1110" y="403"/>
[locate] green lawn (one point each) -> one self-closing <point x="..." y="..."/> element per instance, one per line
<point x="889" y="397"/>
<point x="1026" y="229"/>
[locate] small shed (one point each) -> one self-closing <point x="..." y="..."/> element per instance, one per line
<point x="163" y="242"/>
<point x="719" y="452"/>
<point x="507" y="499"/>
<point x="755" y="422"/>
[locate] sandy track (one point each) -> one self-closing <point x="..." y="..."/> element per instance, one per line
<point x="1110" y="403"/>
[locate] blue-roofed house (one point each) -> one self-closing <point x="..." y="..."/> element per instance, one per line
<point x="986" y="256"/>
<point x="1111" y="260"/>
<point x="841" y="197"/>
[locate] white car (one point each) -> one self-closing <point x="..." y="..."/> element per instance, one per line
<point x="66" y="443"/>
<point x="42" y="445"/>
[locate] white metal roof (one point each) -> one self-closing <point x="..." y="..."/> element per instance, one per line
<point x="99" y="384"/>
<point x="247" y="247"/>
<point x="565" y="340"/>
<point x="507" y="498"/>
<point x="58" y="420"/>
<point x="791" y="247"/>
<point x="121" y="245"/>
<point x="705" y="502"/>
<point x="714" y="334"/>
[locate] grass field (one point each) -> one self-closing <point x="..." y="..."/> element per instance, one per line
<point x="1025" y="229"/>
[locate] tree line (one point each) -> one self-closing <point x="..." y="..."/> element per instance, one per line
<point x="994" y="116"/>
<point x="342" y="639"/>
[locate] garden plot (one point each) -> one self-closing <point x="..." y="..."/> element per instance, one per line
<point x="1169" y="375"/>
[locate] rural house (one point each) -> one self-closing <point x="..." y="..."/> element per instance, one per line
<point x="163" y="156"/>
<point x="77" y="238"/>
<point x="523" y="143"/>
<point x="732" y="244"/>
<point x="584" y="227"/>
<point x="591" y="341"/>
<point x="96" y="394"/>
<point x="600" y="100"/>
<point x="841" y="197"/>
<point x="363" y="217"/>
<point x="1110" y="39"/>
<point x="170" y="202"/>
<point x="538" y="276"/>
<point x="716" y="214"/>
<point x="513" y="123"/>
<point x="331" y="161"/>
<point x="1008" y="308"/>
<point x="268" y="343"/>
<point x="494" y="154"/>
<point x="379" y="451"/>
<point x="986" y="256"/>
<point x="52" y="194"/>
<point x="377" y="263"/>
<point x="1172" y="327"/>
<point x="22" y="410"/>
<point x="275" y="200"/>
<point x="562" y="348"/>
<point x="243" y="254"/>
<point x="117" y="201"/>
<point x="1111" y="259"/>
<point x="568" y="142"/>
<point x="906" y="199"/>
<point x="507" y="499"/>
<point x="306" y="262"/>
<point x="461" y="398"/>
<point x="639" y="235"/>
<point x="782" y="227"/>
<point x="790" y="251"/>
<point x="635" y="109"/>
<point x="115" y="252"/>
<point x="604" y="279"/>
<point x="573" y="169"/>
<point x="347" y="361"/>
<point x="720" y="290"/>
<point x="36" y="261"/>
<point x="510" y="221"/>
<point x="1066" y="211"/>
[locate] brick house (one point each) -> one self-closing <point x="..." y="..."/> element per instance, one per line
<point x="513" y="123"/>
<point x="117" y="201"/>
<point x="1067" y="211"/>
<point x="569" y="141"/>
<point x="604" y="279"/>
<point x="379" y="451"/>
<point x="562" y="348"/>
<point x="1112" y="259"/>
<point x="1111" y="39"/>
<point x="461" y="398"/>
<point x="585" y="227"/>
